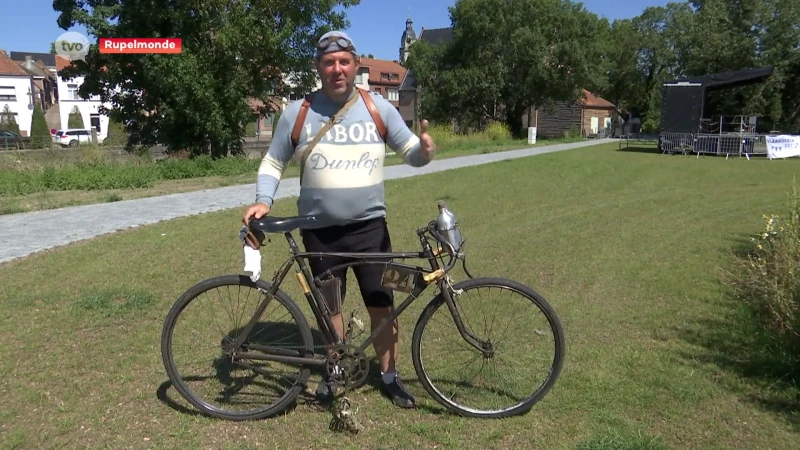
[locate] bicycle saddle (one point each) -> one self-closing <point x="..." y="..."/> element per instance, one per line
<point x="272" y="224"/>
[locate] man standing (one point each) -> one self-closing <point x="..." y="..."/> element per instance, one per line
<point x="342" y="184"/>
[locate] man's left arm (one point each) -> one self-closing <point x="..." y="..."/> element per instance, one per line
<point x="401" y="139"/>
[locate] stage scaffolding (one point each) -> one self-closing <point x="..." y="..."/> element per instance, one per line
<point x="684" y="130"/>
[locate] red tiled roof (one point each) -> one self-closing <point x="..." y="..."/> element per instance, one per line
<point x="595" y="101"/>
<point x="62" y="63"/>
<point x="9" y="67"/>
<point x="378" y="66"/>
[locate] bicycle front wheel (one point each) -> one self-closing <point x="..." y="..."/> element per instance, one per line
<point x="521" y="360"/>
<point x="204" y="321"/>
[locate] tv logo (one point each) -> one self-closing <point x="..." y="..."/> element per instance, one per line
<point x="72" y="45"/>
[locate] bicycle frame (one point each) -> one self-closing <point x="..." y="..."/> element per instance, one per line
<point x="422" y="277"/>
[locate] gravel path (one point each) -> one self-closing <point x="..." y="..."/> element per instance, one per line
<point x="27" y="233"/>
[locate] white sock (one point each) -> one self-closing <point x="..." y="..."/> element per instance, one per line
<point x="388" y="377"/>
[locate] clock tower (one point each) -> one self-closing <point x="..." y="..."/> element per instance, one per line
<point x="409" y="37"/>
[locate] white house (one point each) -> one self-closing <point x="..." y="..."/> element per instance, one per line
<point x="69" y="100"/>
<point x="16" y="92"/>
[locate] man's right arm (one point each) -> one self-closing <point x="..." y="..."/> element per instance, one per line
<point x="279" y="153"/>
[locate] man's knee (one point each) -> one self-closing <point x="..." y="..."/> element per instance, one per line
<point x="379" y="299"/>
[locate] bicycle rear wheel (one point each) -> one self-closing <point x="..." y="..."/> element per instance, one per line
<point x="237" y="390"/>
<point x="524" y="326"/>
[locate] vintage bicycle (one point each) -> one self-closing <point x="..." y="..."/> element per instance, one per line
<point x="240" y="360"/>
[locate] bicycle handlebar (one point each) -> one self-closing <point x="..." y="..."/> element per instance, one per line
<point x="447" y="245"/>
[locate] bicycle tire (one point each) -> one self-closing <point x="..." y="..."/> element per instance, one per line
<point x="522" y="407"/>
<point x="276" y="407"/>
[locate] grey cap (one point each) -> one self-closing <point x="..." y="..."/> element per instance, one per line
<point x="335" y="41"/>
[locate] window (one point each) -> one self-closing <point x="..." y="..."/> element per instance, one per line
<point x="95" y="121"/>
<point x="389" y="76"/>
<point x="8" y="93"/>
<point x="392" y="94"/>
<point x="72" y="92"/>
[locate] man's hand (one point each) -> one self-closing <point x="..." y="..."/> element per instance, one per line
<point x="427" y="146"/>
<point x="255" y="211"/>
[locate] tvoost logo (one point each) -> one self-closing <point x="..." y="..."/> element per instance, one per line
<point x="72" y="45"/>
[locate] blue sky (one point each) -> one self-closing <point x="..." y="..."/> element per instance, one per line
<point x="376" y="25"/>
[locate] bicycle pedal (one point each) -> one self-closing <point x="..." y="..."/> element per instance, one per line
<point x="344" y="415"/>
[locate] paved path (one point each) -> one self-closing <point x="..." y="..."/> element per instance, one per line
<point x="26" y="233"/>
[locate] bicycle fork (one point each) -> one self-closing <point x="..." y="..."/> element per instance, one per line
<point x="450" y="295"/>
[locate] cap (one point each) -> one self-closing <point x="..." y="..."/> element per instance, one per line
<point x="335" y="41"/>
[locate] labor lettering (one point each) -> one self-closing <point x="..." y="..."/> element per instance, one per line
<point x="355" y="133"/>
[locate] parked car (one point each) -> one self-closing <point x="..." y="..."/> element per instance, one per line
<point x="72" y="137"/>
<point x="12" y="141"/>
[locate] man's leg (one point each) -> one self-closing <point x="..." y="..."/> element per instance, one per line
<point x="385" y="343"/>
<point x="379" y="301"/>
<point x="320" y="241"/>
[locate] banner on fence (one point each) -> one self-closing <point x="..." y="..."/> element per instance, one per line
<point x="783" y="146"/>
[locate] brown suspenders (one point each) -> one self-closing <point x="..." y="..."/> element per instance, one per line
<point x="373" y="111"/>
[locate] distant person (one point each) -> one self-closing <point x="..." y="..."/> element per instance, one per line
<point x="342" y="184"/>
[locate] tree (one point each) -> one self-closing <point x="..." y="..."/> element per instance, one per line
<point x="509" y="56"/>
<point x="620" y="62"/>
<point x="40" y="133"/>
<point x="7" y="120"/>
<point x="231" y="51"/>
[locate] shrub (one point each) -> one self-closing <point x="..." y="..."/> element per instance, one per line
<point x="443" y="135"/>
<point x="75" y="119"/>
<point x="40" y="133"/>
<point x="116" y="134"/>
<point x="767" y="277"/>
<point x="498" y="131"/>
<point x="7" y="121"/>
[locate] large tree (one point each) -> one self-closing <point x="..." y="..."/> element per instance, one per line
<point x="506" y="57"/>
<point x="702" y="37"/>
<point x="232" y="50"/>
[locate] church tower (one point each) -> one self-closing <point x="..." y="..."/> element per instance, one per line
<point x="409" y="37"/>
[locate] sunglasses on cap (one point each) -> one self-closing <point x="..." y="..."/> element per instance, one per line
<point x="342" y="42"/>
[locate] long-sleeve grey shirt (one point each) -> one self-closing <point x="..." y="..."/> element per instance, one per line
<point x="343" y="179"/>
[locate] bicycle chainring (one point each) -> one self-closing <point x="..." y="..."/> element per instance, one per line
<point x="347" y="367"/>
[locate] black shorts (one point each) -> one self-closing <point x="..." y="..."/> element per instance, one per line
<point x="368" y="236"/>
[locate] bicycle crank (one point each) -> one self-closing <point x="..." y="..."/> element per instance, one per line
<point x="347" y="367"/>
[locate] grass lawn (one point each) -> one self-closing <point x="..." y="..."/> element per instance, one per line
<point x="52" y="199"/>
<point x="625" y="245"/>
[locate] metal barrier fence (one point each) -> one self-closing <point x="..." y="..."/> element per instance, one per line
<point x="728" y="144"/>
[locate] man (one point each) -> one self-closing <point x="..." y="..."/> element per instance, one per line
<point x="342" y="185"/>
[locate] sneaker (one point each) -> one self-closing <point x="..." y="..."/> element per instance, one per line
<point x="398" y="393"/>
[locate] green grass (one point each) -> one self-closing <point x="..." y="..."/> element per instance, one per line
<point x="625" y="245"/>
<point x="33" y="185"/>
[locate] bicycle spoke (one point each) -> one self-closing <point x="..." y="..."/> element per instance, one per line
<point x="500" y="380"/>
<point x="211" y="377"/>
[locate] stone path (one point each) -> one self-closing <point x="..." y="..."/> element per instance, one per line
<point x="26" y="233"/>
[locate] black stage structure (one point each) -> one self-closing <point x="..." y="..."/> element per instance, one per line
<point x="683" y="126"/>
